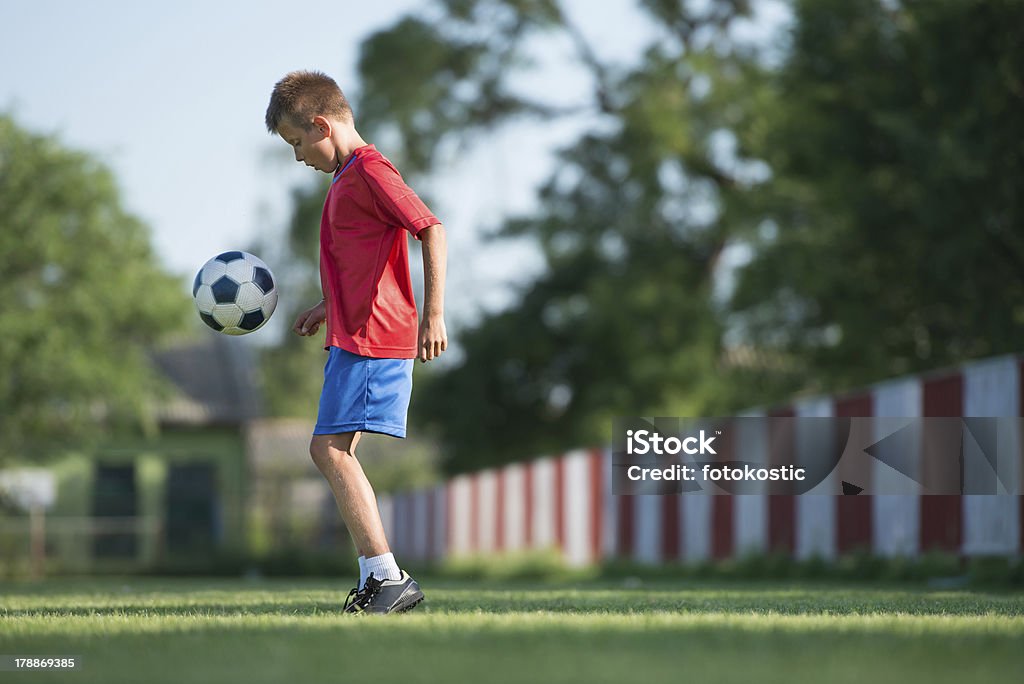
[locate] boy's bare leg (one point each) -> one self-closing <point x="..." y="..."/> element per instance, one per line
<point x="335" y="456"/>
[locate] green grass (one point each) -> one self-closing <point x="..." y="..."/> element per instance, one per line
<point x="187" y="630"/>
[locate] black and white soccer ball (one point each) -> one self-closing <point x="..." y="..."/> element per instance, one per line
<point x="235" y="293"/>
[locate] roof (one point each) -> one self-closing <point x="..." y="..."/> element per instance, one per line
<point x="213" y="382"/>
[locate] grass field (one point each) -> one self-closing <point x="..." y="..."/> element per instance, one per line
<point x="177" y="630"/>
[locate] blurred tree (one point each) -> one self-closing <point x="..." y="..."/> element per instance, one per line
<point x="82" y="299"/>
<point x="893" y="238"/>
<point x="430" y="79"/>
<point x="632" y="224"/>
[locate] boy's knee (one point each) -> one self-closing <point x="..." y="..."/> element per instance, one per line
<point x="317" y="452"/>
<point x="323" y="449"/>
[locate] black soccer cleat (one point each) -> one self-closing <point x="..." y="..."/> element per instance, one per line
<point x="350" y="599"/>
<point x="380" y="597"/>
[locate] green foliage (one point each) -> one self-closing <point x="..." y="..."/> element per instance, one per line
<point x="423" y="81"/>
<point x="82" y="298"/>
<point x="893" y="240"/>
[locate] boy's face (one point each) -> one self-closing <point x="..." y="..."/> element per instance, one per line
<point x="312" y="147"/>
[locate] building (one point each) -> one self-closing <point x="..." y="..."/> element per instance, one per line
<point x="139" y="501"/>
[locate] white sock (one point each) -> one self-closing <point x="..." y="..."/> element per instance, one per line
<point x="383" y="567"/>
<point x="362" y="571"/>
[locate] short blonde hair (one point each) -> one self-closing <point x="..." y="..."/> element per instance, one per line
<point x="302" y="95"/>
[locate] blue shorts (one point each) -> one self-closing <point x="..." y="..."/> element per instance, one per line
<point x="363" y="394"/>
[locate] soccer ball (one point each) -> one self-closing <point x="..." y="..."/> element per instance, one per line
<point x="235" y="293"/>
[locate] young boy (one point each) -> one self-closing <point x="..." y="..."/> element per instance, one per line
<point x="368" y="304"/>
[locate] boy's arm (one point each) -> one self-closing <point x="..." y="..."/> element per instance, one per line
<point x="433" y="338"/>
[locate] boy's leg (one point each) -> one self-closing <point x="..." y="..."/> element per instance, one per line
<point x="387" y="589"/>
<point x="335" y="456"/>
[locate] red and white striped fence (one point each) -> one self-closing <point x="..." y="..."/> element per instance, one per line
<point x="565" y="502"/>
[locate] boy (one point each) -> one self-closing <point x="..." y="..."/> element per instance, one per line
<point x="368" y="304"/>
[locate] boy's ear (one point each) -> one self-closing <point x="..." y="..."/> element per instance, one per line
<point x="322" y="125"/>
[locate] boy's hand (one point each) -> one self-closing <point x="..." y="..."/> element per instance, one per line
<point x="433" y="338"/>
<point x="309" y="320"/>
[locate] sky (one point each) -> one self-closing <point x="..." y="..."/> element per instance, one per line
<point x="171" y="97"/>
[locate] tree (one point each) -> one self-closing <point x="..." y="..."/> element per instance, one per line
<point x="892" y="240"/>
<point x="82" y="298"/>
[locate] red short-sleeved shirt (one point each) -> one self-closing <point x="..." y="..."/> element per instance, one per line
<point x="364" y="257"/>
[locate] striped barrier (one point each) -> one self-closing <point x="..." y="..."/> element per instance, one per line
<point x="566" y="502"/>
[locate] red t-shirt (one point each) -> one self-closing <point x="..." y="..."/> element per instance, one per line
<point x="364" y="257"/>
